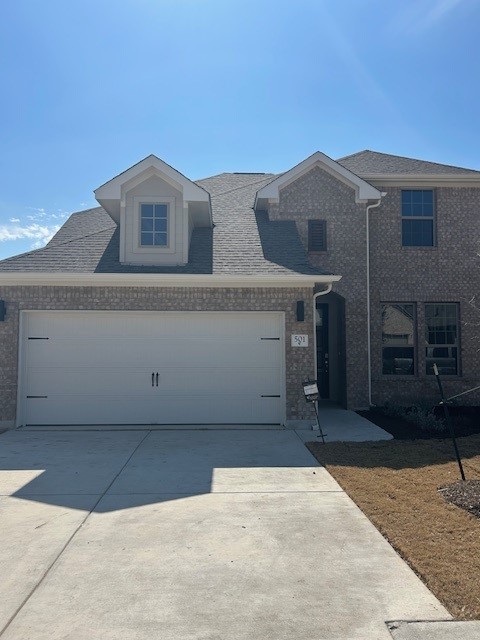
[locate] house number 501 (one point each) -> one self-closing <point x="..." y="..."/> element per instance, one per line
<point x="299" y="340"/>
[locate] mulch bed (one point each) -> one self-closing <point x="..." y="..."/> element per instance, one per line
<point x="465" y="495"/>
<point x="466" y="421"/>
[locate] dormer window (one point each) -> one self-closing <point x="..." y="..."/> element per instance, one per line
<point x="154" y="224"/>
<point x="157" y="209"/>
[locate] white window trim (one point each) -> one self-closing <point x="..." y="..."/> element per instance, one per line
<point x="433" y="218"/>
<point x="171" y="215"/>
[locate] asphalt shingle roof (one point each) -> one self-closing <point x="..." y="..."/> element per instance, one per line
<point x="368" y="163"/>
<point x="242" y="242"/>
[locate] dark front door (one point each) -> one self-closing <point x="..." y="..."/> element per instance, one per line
<point x="322" y="351"/>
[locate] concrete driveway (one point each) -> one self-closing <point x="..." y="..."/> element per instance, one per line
<point x="189" y="535"/>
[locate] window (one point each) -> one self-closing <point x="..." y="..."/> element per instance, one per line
<point x="317" y="235"/>
<point x="441" y="338"/>
<point x="154" y="225"/>
<point x="417" y="219"/>
<point x="398" y="339"/>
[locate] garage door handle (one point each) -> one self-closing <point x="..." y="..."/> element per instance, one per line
<point x="153" y="379"/>
<point x="157" y="379"/>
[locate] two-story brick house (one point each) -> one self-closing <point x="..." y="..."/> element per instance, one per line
<point x="180" y="302"/>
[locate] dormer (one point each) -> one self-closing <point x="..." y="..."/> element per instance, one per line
<point x="157" y="208"/>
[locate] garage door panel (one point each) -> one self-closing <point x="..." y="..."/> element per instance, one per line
<point x="133" y="382"/>
<point x="146" y="324"/>
<point x="85" y="410"/>
<point x="95" y="367"/>
<point x="75" y="381"/>
<point x="135" y="352"/>
<point x="215" y="381"/>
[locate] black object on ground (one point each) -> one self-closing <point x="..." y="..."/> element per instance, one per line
<point x="449" y="420"/>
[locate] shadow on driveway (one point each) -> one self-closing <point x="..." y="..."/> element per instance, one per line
<point x="155" y="466"/>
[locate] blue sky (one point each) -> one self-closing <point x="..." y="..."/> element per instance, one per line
<point x="91" y="87"/>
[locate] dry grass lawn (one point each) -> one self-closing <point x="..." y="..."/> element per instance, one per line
<point x="395" y="484"/>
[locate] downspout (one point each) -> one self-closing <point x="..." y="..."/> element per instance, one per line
<point x="369" y="346"/>
<point x="315" y="296"/>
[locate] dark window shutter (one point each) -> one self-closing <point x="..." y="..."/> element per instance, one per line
<point x="317" y="235"/>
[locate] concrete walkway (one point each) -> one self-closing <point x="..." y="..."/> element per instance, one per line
<point x="190" y="535"/>
<point x="447" y="630"/>
<point x="345" y="426"/>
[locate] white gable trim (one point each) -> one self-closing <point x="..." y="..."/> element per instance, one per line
<point x="151" y="172"/>
<point x="112" y="190"/>
<point x="363" y="190"/>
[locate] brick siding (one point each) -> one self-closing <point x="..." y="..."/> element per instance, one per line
<point x="449" y="272"/>
<point x="319" y="195"/>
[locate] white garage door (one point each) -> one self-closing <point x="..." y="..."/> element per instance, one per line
<point x="152" y="368"/>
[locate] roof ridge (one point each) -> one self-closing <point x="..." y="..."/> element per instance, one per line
<point x="216" y="175"/>
<point x="236" y="173"/>
<point x="394" y="155"/>
<point x="243" y="186"/>
<point x="351" y="155"/>
<point x="76" y="213"/>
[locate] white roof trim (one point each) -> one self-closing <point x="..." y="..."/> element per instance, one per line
<point x="450" y="179"/>
<point x="363" y="190"/>
<point x="112" y="190"/>
<point x="35" y="278"/>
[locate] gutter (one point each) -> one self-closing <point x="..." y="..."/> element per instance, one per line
<point x="62" y="279"/>
<point x="424" y="179"/>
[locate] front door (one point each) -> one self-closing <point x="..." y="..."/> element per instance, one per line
<point x="322" y="351"/>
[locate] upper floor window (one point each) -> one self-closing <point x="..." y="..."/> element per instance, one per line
<point x="417" y="218"/>
<point x="154" y="225"/>
<point x="441" y="338"/>
<point x="398" y="339"/>
<point x="317" y="235"/>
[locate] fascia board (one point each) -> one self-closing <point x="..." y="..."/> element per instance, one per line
<point x="113" y="188"/>
<point x="408" y="179"/>
<point x="13" y="278"/>
<point x="364" y="191"/>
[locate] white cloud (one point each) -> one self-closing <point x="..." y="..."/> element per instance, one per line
<point x="39" y="226"/>
<point x="40" y="234"/>
<point x="60" y="216"/>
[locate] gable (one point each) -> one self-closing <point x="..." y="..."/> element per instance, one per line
<point x="110" y="194"/>
<point x="320" y="185"/>
<point x="363" y="190"/>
